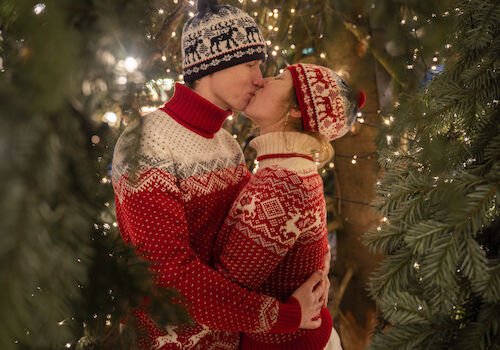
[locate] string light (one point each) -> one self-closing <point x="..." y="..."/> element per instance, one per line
<point x="111" y="118"/>
<point x="354" y="157"/>
<point x="39" y="8"/>
<point x="131" y="64"/>
<point x="292" y="11"/>
<point x="322" y="55"/>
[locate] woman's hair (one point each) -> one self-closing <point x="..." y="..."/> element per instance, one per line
<point x="325" y="151"/>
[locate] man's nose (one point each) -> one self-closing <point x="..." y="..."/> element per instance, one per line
<point x="258" y="80"/>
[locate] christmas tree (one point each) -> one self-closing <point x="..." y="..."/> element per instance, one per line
<point x="66" y="276"/>
<point x="439" y="286"/>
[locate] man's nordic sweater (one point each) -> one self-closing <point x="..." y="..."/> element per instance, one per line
<point x="189" y="172"/>
<point x="275" y="235"/>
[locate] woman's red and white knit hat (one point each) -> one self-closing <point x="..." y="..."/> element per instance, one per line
<point x="324" y="101"/>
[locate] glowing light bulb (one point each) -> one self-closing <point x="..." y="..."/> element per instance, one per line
<point x="131" y="64"/>
<point x="39" y="8"/>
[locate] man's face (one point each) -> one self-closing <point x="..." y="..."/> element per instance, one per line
<point x="233" y="87"/>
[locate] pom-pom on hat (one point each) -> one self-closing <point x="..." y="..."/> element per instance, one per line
<point x="325" y="100"/>
<point x="218" y="37"/>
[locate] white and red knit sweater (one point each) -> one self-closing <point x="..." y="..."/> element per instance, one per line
<point x="275" y="234"/>
<point x="190" y="171"/>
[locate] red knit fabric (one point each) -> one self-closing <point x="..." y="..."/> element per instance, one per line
<point x="187" y="178"/>
<point x="273" y="239"/>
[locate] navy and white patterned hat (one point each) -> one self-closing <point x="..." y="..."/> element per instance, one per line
<point x="218" y="37"/>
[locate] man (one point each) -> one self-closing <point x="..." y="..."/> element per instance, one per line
<point x="190" y="170"/>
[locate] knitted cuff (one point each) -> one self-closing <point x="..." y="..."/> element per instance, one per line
<point x="289" y="317"/>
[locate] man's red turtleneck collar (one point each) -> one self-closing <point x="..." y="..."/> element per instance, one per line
<point x="194" y="112"/>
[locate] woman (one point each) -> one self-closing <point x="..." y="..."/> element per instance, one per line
<point x="275" y="233"/>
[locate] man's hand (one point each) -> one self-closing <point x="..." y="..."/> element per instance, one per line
<point x="325" y="271"/>
<point x="309" y="296"/>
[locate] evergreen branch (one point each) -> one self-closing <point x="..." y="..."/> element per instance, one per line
<point x="440" y="262"/>
<point x="393" y="271"/>
<point x="422" y="236"/>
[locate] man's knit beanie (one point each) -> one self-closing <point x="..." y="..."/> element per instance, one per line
<point x="218" y="37"/>
<point x="326" y="103"/>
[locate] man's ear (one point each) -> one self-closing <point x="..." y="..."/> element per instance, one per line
<point x="295" y="113"/>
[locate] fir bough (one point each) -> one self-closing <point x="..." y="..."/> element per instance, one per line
<point x="66" y="276"/>
<point x="438" y="287"/>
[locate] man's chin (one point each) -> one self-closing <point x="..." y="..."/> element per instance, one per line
<point x="242" y="107"/>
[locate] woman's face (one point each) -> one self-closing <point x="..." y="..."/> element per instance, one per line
<point x="271" y="103"/>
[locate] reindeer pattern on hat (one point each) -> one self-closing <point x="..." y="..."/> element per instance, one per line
<point x="215" y="39"/>
<point x="324" y="102"/>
